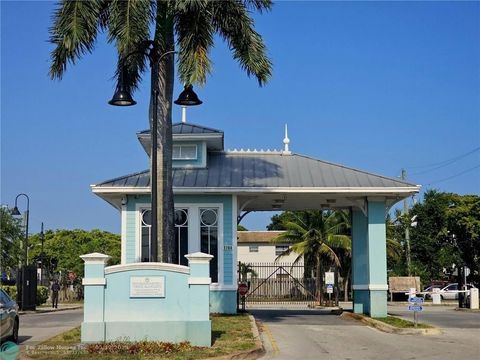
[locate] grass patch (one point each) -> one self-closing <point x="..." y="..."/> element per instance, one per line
<point x="230" y="334"/>
<point x="402" y="323"/>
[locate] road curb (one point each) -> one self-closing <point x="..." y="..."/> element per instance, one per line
<point x="406" y="303"/>
<point x="251" y="354"/>
<point x="475" y="311"/>
<point x="389" y="328"/>
<point x="42" y="311"/>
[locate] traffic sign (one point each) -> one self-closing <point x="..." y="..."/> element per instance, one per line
<point x="329" y="289"/>
<point x="416" y="300"/>
<point x="242" y="289"/>
<point x="415" y="308"/>
<point x="329" y="277"/>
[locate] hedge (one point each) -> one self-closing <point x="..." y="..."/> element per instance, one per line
<point x="42" y="293"/>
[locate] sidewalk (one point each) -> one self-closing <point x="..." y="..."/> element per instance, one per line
<point x="46" y="308"/>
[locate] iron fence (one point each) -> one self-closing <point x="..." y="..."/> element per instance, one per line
<point x="279" y="283"/>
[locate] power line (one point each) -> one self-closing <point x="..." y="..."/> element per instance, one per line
<point x="454" y="176"/>
<point x="444" y="163"/>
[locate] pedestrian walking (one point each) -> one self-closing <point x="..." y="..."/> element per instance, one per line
<point x="55" y="290"/>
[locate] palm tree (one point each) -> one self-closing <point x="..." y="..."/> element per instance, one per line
<point x="245" y="269"/>
<point x="315" y="235"/>
<point x="185" y="26"/>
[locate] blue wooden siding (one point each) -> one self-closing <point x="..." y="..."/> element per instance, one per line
<point x="225" y="200"/>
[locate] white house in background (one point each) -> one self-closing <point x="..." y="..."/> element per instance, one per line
<point x="258" y="247"/>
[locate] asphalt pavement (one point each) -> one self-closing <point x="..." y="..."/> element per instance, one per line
<point x="38" y="327"/>
<point x="314" y="334"/>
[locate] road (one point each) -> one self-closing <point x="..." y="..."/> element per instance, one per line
<point x="38" y="327"/>
<point x="312" y="334"/>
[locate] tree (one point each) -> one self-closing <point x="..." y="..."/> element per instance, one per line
<point x="245" y="269"/>
<point x="66" y="246"/>
<point x="241" y="228"/>
<point x="186" y="26"/>
<point x="11" y="237"/>
<point x="448" y="233"/>
<point x="342" y="249"/>
<point x="315" y="234"/>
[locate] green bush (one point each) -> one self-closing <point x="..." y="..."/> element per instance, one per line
<point x="11" y="290"/>
<point x="42" y="293"/>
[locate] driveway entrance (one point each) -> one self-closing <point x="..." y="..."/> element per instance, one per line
<point x="313" y="334"/>
<point x="279" y="284"/>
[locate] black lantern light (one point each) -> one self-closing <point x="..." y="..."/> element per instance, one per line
<point x="188" y="97"/>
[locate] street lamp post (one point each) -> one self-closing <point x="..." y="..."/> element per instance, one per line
<point x="16" y="212"/>
<point x="123" y="97"/>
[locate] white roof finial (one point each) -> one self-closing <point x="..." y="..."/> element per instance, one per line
<point x="184" y="114"/>
<point x="286" y="141"/>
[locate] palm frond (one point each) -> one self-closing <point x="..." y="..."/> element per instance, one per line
<point x="128" y="26"/>
<point x="259" y="5"/>
<point x="394" y="249"/>
<point x="194" y="31"/>
<point x="342" y="242"/>
<point x="74" y="31"/>
<point x="232" y="21"/>
<point x="328" y="251"/>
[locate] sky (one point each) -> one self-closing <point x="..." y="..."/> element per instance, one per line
<point x="378" y="86"/>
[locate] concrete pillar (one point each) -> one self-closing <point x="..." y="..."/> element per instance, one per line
<point x="474" y="298"/>
<point x="93" y="325"/>
<point x="199" y="282"/>
<point x="369" y="260"/>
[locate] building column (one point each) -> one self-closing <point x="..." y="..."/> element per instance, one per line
<point x="369" y="260"/>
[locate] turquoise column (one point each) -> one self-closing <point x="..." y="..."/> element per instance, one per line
<point x="369" y="260"/>
<point x="199" y="327"/>
<point x="360" y="261"/>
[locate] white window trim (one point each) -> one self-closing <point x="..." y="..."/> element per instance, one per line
<point x="186" y="158"/>
<point x="123" y="234"/>
<point x="138" y="228"/>
<point x="193" y="231"/>
<point x="201" y="164"/>
<point x="253" y="246"/>
<point x="234" y="241"/>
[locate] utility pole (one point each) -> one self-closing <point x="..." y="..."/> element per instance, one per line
<point x="42" y="255"/>
<point x="407" y="225"/>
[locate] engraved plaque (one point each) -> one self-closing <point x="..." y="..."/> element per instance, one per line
<point x="147" y="286"/>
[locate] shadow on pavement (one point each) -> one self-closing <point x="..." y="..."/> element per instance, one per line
<point x="22" y="339"/>
<point x="298" y="316"/>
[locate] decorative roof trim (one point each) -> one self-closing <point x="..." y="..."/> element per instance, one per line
<point x="238" y="190"/>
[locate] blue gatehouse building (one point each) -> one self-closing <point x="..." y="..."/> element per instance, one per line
<point x="213" y="187"/>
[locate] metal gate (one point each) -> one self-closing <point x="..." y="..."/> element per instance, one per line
<point x="27" y="287"/>
<point x="278" y="283"/>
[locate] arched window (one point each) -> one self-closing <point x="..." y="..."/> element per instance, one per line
<point x="209" y="238"/>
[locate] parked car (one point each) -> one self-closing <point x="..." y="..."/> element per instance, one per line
<point x="450" y="292"/>
<point x="430" y="289"/>
<point x="9" y="321"/>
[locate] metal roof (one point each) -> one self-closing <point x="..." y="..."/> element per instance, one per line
<point x="187" y="128"/>
<point x="237" y="171"/>
<point x="187" y="132"/>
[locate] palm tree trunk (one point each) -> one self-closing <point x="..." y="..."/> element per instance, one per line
<point x="319" y="281"/>
<point x="163" y="80"/>
<point x="345" y="286"/>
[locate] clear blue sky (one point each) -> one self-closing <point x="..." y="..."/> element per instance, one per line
<point x="375" y="85"/>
